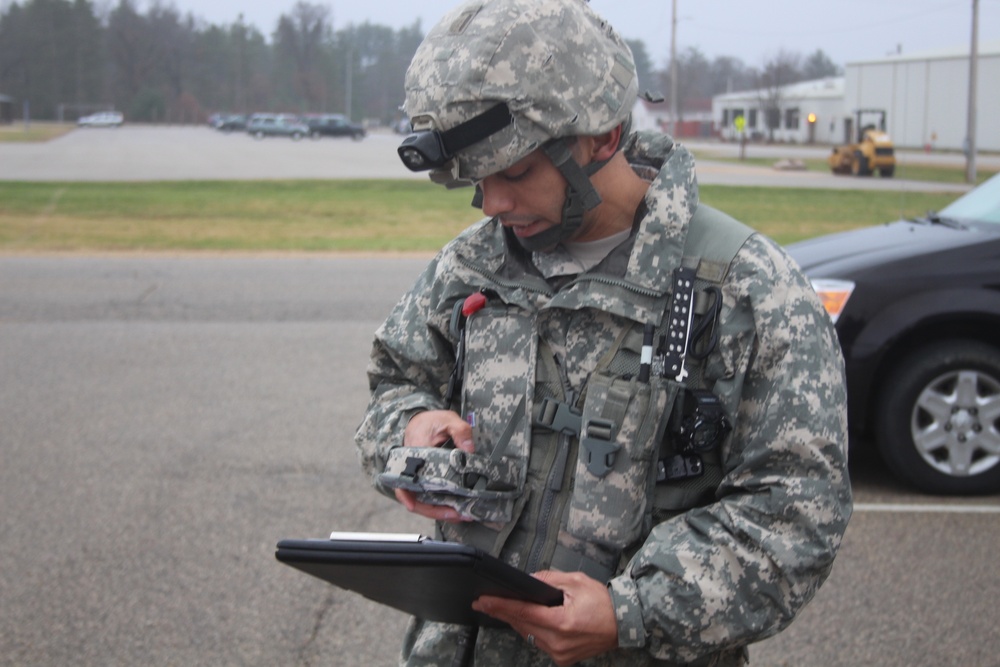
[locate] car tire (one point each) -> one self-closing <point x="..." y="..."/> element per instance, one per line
<point x="258" y="135"/>
<point x="296" y="136"/>
<point x="938" y="418"/>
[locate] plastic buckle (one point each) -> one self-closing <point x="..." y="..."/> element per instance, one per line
<point x="413" y="466"/>
<point x="599" y="451"/>
<point x="559" y="417"/>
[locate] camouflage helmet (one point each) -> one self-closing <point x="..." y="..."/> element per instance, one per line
<point x="496" y="79"/>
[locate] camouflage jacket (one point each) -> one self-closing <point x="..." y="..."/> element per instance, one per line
<point x="691" y="583"/>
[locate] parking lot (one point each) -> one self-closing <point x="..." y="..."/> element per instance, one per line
<point x="167" y="419"/>
<point x="144" y="153"/>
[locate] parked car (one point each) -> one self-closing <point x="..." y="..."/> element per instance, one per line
<point x="102" y="119"/>
<point x="916" y="305"/>
<point x="276" y="125"/>
<point x="334" y="125"/>
<point x="231" y="123"/>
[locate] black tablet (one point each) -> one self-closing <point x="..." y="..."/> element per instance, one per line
<point x="434" y="580"/>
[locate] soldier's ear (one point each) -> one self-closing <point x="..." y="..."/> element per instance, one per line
<point x="606" y="145"/>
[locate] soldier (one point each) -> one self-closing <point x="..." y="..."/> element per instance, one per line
<point x="603" y="382"/>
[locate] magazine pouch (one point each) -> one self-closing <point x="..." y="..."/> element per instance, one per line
<point x="614" y="470"/>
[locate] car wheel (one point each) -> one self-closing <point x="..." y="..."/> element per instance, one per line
<point x="938" y="418"/>
<point x="258" y="135"/>
<point x="296" y="136"/>
<point x="358" y="136"/>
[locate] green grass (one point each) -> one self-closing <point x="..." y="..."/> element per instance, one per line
<point x="235" y="216"/>
<point x="33" y="132"/>
<point x="910" y="171"/>
<point x="788" y="214"/>
<point x="353" y="216"/>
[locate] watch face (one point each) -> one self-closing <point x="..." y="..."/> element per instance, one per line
<point x="704" y="424"/>
<point x="705" y="431"/>
<point x="704" y="435"/>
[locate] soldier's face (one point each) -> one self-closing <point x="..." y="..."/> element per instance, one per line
<point x="527" y="197"/>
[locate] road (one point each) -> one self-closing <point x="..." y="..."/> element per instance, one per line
<point x="167" y="419"/>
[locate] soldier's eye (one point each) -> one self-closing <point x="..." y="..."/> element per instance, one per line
<point x="515" y="176"/>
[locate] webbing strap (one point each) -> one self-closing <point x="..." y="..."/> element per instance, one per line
<point x="476" y="129"/>
<point x="500" y="448"/>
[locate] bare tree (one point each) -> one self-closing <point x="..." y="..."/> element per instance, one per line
<point x="729" y="75"/>
<point x="132" y="61"/>
<point x="819" y="66"/>
<point x="694" y="80"/>
<point x="781" y="70"/>
<point x="49" y="54"/>
<point x="300" y="39"/>
<point x="643" y="66"/>
<point x="155" y="64"/>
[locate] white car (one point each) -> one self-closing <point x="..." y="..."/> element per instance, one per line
<point x="102" y="119"/>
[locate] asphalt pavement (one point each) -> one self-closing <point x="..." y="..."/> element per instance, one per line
<point x="165" y="422"/>
<point x="166" y="419"/>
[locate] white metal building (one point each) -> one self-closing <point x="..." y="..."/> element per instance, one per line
<point x="926" y="96"/>
<point x="821" y="100"/>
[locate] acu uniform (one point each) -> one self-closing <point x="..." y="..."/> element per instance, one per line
<point x="572" y="447"/>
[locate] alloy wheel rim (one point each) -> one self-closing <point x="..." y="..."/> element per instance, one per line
<point x="956" y="423"/>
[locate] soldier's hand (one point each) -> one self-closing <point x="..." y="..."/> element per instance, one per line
<point x="583" y="627"/>
<point x="435" y="512"/>
<point x="434" y="428"/>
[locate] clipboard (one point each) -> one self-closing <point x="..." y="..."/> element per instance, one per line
<point x="429" y="579"/>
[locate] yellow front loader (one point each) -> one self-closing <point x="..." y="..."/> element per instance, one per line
<point x="873" y="150"/>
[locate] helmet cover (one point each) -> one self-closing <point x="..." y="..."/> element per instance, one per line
<point x="561" y="69"/>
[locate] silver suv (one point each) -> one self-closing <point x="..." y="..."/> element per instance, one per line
<point x="263" y="125"/>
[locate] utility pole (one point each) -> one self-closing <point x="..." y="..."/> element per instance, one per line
<point x="673" y="72"/>
<point x="970" y="140"/>
<point x="241" y="98"/>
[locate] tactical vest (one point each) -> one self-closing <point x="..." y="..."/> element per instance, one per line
<point x="576" y="482"/>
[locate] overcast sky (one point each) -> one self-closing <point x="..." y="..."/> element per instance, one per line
<point x="753" y="31"/>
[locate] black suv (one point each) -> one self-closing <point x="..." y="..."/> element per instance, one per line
<point x="916" y="304"/>
<point x="334" y="125"/>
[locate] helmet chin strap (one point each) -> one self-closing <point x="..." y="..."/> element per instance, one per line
<point x="581" y="196"/>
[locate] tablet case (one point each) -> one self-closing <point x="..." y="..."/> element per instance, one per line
<point x="434" y="580"/>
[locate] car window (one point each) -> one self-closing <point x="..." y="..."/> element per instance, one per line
<point x="981" y="204"/>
